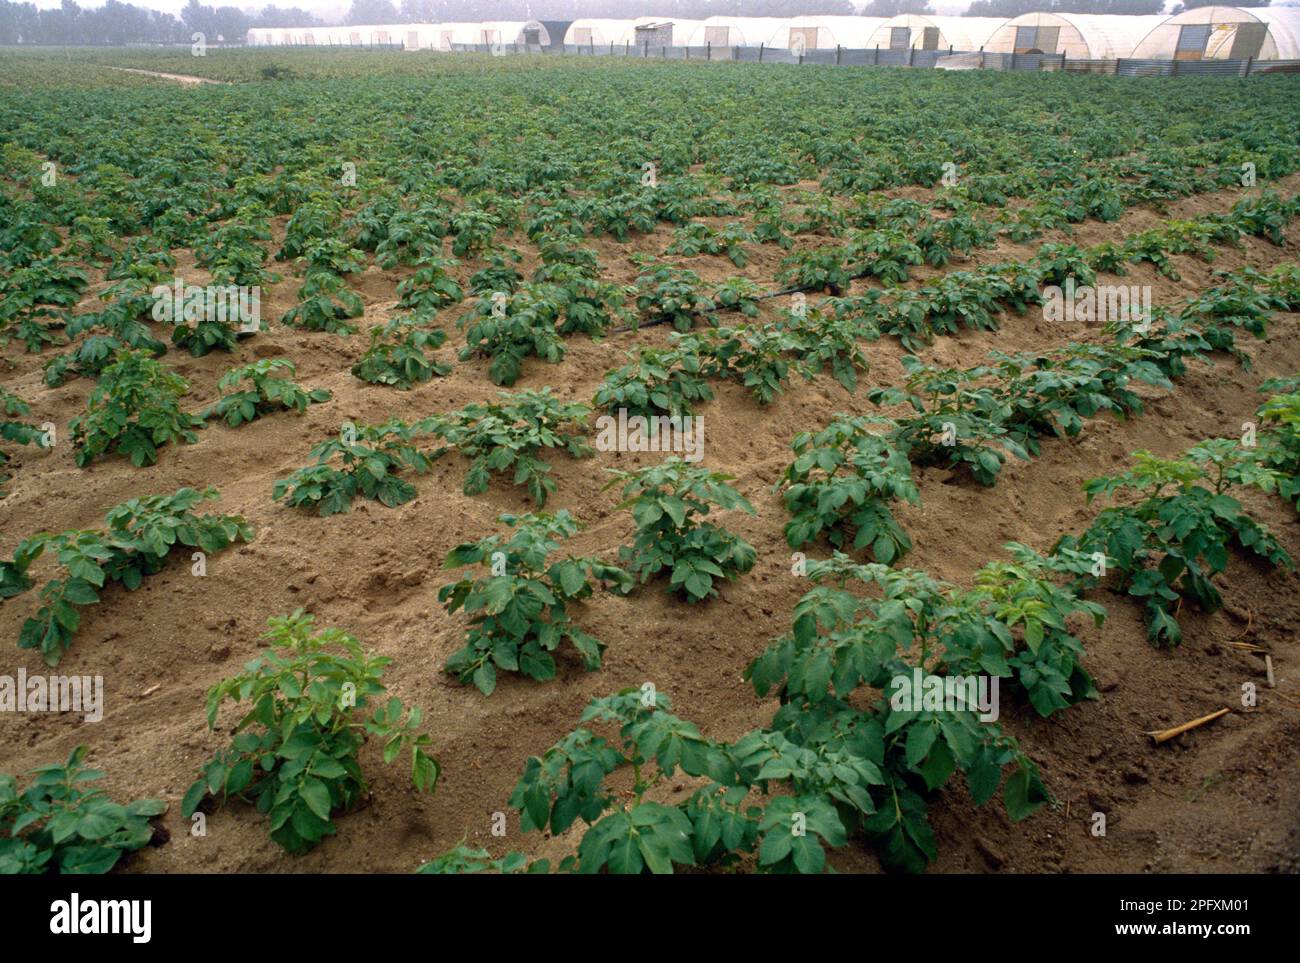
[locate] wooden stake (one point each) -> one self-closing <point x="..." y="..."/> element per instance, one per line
<point x="1268" y="670"/>
<point x="1164" y="735"/>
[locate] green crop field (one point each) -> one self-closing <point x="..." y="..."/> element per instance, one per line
<point x="353" y="432"/>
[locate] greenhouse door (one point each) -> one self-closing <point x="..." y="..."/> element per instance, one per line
<point x="1192" y="38"/>
<point x="900" y="38"/>
<point x="1249" y="40"/>
<point x="803" y="38"/>
<point x="413" y="39"/>
<point x="930" y="38"/>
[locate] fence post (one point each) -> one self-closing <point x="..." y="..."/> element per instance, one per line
<point x="708" y="50"/>
<point x="911" y="55"/>
<point x="837" y="55"/>
<point x="876" y="61"/>
<point x="981" y="58"/>
<point x="1249" y="60"/>
<point x="760" y="52"/>
<point x="1173" y="71"/>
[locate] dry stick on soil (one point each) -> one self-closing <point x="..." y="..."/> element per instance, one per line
<point x="1164" y="735"/>
<point x="1250" y="620"/>
<point x="1268" y="671"/>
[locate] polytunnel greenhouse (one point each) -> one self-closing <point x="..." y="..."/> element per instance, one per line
<point x="1225" y="33"/>
<point x="1078" y="36"/>
<point x="933" y="33"/>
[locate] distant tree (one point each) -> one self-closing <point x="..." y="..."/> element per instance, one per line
<point x="894" y="8"/>
<point x="1014" y="8"/>
<point x="419" y="11"/>
<point x="1196" y="4"/>
<point x="373" y="11"/>
<point x="273" y="16"/>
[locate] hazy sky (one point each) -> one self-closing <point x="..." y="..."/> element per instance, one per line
<point x="336" y="8"/>
<point x="332" y="9"/>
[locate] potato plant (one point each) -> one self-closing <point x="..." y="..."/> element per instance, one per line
<point x="510" y="330"/>
<point x="325" y="303"/>
<point x="266" y="393"/>
<point x="59" y="823"/>
<point x="370" y="456"/>
<point x="657" y="381"/>
<point x="518" y="609"/>
<point x="294" y="755"/>
<point x="119" y="327"/>
<point x="756" y="357"/>
<point x="133" y="410"/>
<point x="430" y="288"/>
<point x="632" y="832"/>
<point x="840" y="485"/>
<point x="18" y="432"/>
<point x="1175" y="539"/>
<point x="1279" y="435"/>
<point x="958" y="422"/>
<point x="822" y="343"/>
<point x="667" y="502"/>
<point x="877" y="765"/>
<point x="508" y="436"/>
<point x="670" y="295"/>
<point x="396" y="354"/>
<point x="140" y="536"/>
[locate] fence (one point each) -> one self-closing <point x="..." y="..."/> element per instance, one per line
<point x="912" y="57"/>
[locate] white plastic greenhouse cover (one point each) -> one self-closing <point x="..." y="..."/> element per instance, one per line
<point x="740" y="31"/>
<point x="959" y="33"/>
<point x="443" y="35"/>
<point x="851" y="33"/>
<point x="1083" y="36"/>
<point x="1281" y="42"/>
<point x="599" y="33"/>
<point x="503" y="31"/>
<point x="355" y="35"/>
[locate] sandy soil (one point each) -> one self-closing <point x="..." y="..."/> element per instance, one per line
<point x="1224" y="798"/>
